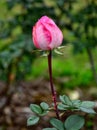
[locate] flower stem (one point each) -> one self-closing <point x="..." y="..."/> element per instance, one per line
<point x="51" y="83"/>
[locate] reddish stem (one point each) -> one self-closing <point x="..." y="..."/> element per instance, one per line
<point x="51" y="83"/>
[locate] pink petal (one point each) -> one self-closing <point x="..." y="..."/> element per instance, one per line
<point x="45" y="19"/>
<point x="35" y="37"/>
<point x="43" y="36"/>
<point x="56" y="35"/>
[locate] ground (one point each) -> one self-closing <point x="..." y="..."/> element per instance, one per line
<point x="14" y="106"/>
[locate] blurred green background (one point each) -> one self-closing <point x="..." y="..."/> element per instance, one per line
<point x="78" y="22"/>
<point x="76" y="69"/>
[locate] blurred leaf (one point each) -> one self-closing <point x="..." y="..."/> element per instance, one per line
<point x="76" y="103"/>
<point x="62" y="106"/>
<point x="49" y="129"/>
<point x="65" y="100"/>
<point x="35" y="108"/>
<point x="32" y="120"/>
<point x="87" y="104"/>
<point x="57" y="124"/>
<point x="87" y="110"/>
<point x="44" y="106"/>
<point x="74" y="122"/>
<point x="43" y="113"/>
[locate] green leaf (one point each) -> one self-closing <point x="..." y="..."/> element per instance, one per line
<point x="87" y="104"/>
<point x="43" y="113"/>
<point x="66" y="100"/>
<point x="76" y="103"/>
<point x="49" y="129"/>
<point x="44" y="106"/>
<point x="74" y="122"/>
<point x="36" y="108"/>
<point x="45" y="53"/>
<point x="57" y="51"/>
<point x="32" y="120"/>
<point x="62" y="106"/>
<point x="87" y="110"/>
<point x="57" y="124"/>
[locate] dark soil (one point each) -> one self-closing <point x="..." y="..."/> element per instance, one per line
<point x="14" y="105"/>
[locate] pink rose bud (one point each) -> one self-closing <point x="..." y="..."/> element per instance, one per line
<point x="46" y="34"/>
